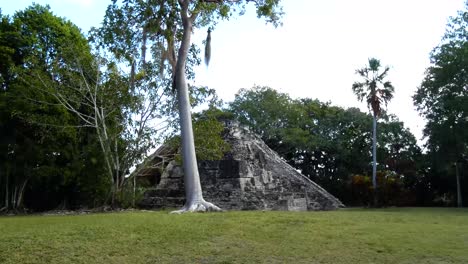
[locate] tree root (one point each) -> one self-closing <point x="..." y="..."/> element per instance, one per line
<point x="198" y="206"/>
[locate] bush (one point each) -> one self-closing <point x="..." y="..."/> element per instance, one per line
<point x="390" y="187"/>
<point x="129" y="197"/>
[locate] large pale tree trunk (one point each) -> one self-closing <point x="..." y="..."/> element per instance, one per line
<point x="374" y="159"/>
<point x="193" y="191"/>
<point x="459" y="194"/>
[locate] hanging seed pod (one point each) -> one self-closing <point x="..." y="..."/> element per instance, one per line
<point x="208" y="48"/>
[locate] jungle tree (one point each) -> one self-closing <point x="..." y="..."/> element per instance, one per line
<point x="166" y="27"/>
<point x="35" y="154"/>
<point x="442" y="99"/>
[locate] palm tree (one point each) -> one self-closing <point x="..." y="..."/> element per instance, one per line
<point x="376" y="91"/>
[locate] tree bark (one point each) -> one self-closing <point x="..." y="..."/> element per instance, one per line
<point x="459" y="194"/>
<point x="7" y="198"/>
<point x="134" y="191"/>
<point x="374" y="159"/>
<point x="193" y="191"/>
<point x="21" y="193"/>
<point x="13" y="198"/>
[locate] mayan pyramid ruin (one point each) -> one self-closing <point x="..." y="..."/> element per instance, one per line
<point x="251" y="176"/>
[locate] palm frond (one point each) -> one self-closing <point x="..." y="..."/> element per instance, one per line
<point x="373" y="88"/>
<point x="389" y="86"/>
<point x="386" y="95"/>
<point x="358" y="89"/>
<point x="383" y="74"/>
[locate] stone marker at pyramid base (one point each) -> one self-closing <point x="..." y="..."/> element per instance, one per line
<point x="250" y="177"/>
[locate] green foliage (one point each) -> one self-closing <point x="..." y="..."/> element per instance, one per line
<point x="396" y="235"/>
<point x="397" y="147"/>
<point x="442" y="99"/>
<point x="208" y="129"/>
<point x="129" y="197"/>
<point x="264" y="110"/>
<point x="45" y="148"/>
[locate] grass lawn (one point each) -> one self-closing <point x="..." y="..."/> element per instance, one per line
<point x="396" y="235"/>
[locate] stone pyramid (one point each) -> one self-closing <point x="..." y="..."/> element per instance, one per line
<point x="250" y="177"/>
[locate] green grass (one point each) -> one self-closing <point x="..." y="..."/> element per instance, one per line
<point x="408" y="235"/>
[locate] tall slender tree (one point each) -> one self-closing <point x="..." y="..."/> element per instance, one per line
<point x="376" y="91"/>
<point x="167" y="26"/>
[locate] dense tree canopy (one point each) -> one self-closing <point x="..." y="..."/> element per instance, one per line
<point x="41" y="144"/>
<point x="442" y="99"/>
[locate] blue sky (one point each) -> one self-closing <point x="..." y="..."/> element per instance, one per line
<point x="317" y="50"/>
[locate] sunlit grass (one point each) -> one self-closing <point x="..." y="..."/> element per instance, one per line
<point x="408" y="235"/>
